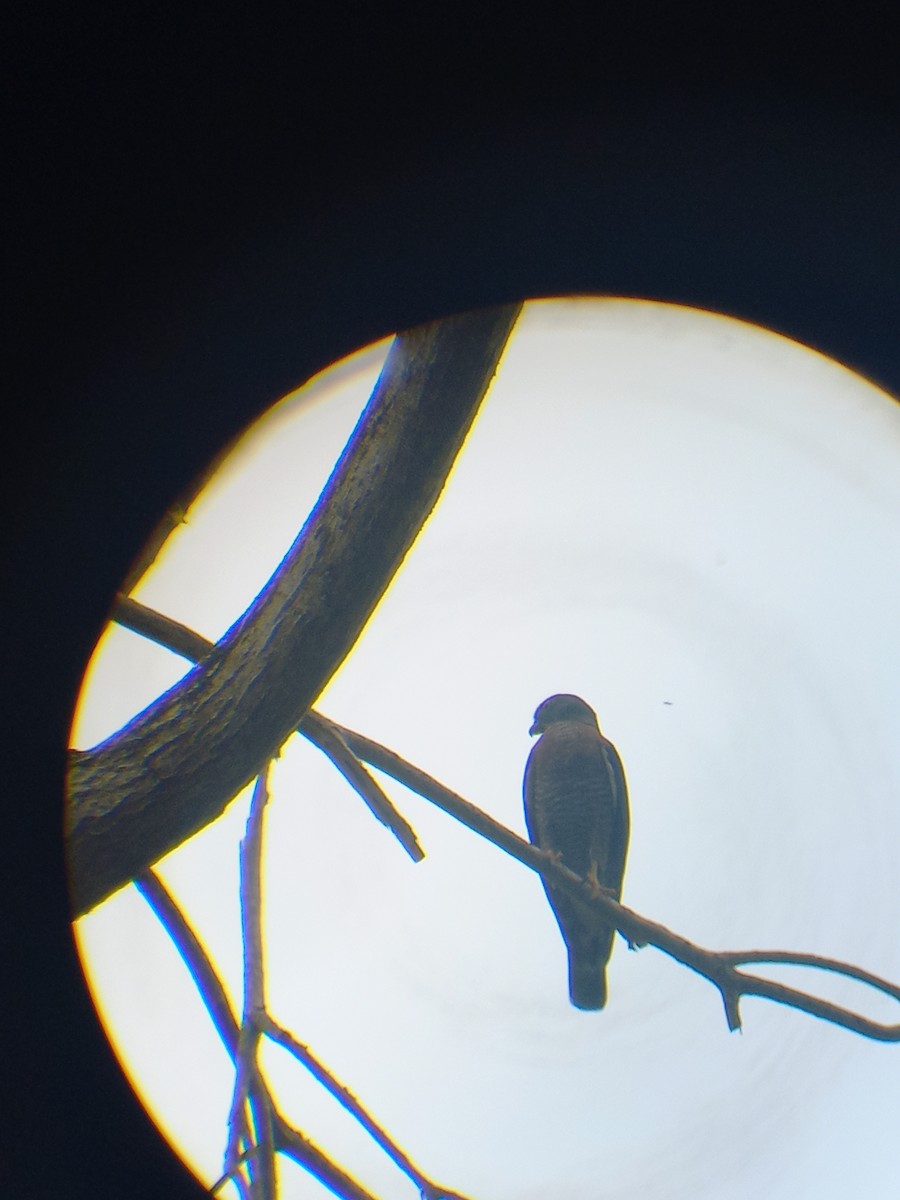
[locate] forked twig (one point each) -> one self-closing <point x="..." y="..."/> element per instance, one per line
<point x="272" y="1132"/>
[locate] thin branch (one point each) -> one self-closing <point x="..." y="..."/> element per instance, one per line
<point x="235" y="1176"/>
<point x="265" y="1183"/>
<point x="175" y="515"/>
<point x="284" y="1138"/>
<point x="165" y="631"/>
<point x="738" y="957"/>
<point x="209" y="985"/>
<point x="757" y="986"/>
<point x="251" y="901"/>
<point x="719" y="967"/>
<point x="346" y="1098"/>
<point x="323" y="734"/>
<point x="175" y="767"/>
<point x="171" y="519"/>
<point x="293" y="1143"/>
<point x="442" y="797"/>
<point x="242" y="1146"/>
<point x="248" y="1081"/>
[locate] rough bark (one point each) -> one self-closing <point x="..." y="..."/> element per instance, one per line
<point x="174" y="768"/>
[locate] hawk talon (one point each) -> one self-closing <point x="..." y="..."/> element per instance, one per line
<point x="594" y="886"/>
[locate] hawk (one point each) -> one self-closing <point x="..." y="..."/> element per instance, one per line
<point x="576" y="806"/>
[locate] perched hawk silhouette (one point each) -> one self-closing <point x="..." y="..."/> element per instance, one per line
<point x="576" y="805"/>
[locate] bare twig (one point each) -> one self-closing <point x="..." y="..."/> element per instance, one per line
<point x="246" y="1147"/>
<point x="209" y="985"/>
<point x="251" y="901"/>
<point x="175" y="515"/>
<point x="131" y="614"/>
<point x="285" y="1138"/>
<point x="323" y="734"/>
<point x="248" y="1082"/>
<point x="237" y="1177"/>
<point x="212" y="992"/>
<point x="172" y="518"/>
<point x="346" y="1098"/>
<point x="292" y="1143"/>
<point x="768" y="989"/>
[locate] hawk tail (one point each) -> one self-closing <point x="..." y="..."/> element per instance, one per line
<point x="587" y="983"/>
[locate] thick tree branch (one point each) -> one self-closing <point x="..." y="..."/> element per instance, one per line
<point x="173" y="769"/>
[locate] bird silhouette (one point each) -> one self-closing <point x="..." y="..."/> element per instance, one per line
<point x="576" y="807"/>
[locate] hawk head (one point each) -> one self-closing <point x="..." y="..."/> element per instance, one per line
<point x="563" y="707"/>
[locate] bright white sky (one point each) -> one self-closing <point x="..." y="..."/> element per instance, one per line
<point x="695" y="525"/>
